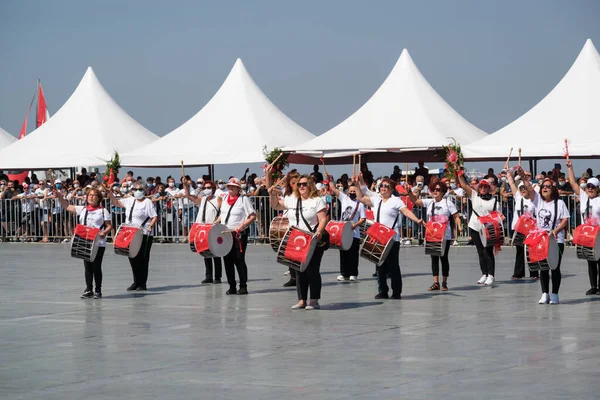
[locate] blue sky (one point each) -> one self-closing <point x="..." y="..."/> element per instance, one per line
<point x="318" y="61"/>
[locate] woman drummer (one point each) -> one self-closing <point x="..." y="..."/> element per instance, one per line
<point x="208" y="212"/>
<point x="552" y="216"/>
<point x="387" y="209"/>
<point x="439" y="206"/>
<point x="482" y="203"/>
<point x="95" y="216"/>
<point x="237" y="213"/>
<point x="307" y="211"/>
<point x="140" y="212"/>
<point x="589" y="205"/>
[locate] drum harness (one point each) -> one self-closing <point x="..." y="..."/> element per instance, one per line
<point x="204" y="211"/>
<point x="131" y="215"/>
<point x="86" y="215"/>
<point x="236" y="235"/>
<point x="324" y="242"/>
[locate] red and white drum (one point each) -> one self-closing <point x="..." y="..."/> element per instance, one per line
<point x="587" y="240"/>
<point x="435" y="238"/>
<point x="128" y="240"/>
<point x="277" y="230"/>
<point x="212" y="240"/>
<point x="341" y="234"/>
<point x="296" y="249"/>
<point x="541" y="251"/>
<point x="525" y="224"/>
<point x="85" y="243"/>
<point x="492" y="230"/>
<point x="377" y="243"/>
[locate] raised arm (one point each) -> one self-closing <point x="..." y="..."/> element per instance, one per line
<point x="274" y="200"/>
<point x="114" y="201"/>
<point x="464" y="184"/>
<point x="526" y="182"/>
<point x="191" y="197"/>
<point x="366" y="200"/>
<point x="417" y="202"/>
<point x="572" y="178"/>
<point x="64" y="203"/>
<point x="410" y="215"/>
<point x="511" y="181"/>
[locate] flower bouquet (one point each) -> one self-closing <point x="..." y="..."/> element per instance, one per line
<point x="454" y="160"/>
<point x="278" y="160"/>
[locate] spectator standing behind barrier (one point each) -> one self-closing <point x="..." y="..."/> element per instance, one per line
<point x="186" y="207"/>
<point x="12" y="209"/>
<point x="28" y="208"/>
<point x="422" y="170"/>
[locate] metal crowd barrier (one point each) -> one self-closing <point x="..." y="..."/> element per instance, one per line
<point x="37" y="219"/>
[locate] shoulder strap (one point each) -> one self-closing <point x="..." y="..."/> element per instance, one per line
<point x="495" y="203"/>
<point x="433" y="208"/>
<point x="520" y="212"/>
<point x="355" y="210"/>
<point x="131" y="211"/>
<point x="555" y="214"/>
<point x="204" y="210"/>
<point x="379" y="213"/>
<point x="230" y="208"/>
<point x="85" y="217"/>
<point x="299" y="211"/>
<point x="587" y="208"/>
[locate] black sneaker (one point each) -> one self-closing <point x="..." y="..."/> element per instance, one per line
<point x="242" y="291"/>
<point x="290" y="283"/>
<point x="207" y="280"/>
<point x="97" y="295"/>
<point x="133" y="286"/>
<point x="396" y="296"/>
<point x="231" y="291"/>
<point x="591" y="291"/>
<point x="87" y="295"/>
<point x="382" y="296"/>
<point x="217" y="281"/>
<point x="141" y="288"/>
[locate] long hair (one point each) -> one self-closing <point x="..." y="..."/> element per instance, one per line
<point x="312" y="188"/>
<point x="553" y="190"/>
<point x="288" y="188"/>
<point x="435" y="181"/>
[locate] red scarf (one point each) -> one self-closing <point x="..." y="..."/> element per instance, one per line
<point x="90" y="207"/>
<point x="231" y="200"/>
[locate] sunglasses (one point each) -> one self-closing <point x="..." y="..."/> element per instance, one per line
<point x="385" y="186"/>
<point x="591" y="186"/>
<point x="546" y="186"/>
<point x="302" y="184"/>
<point x="137" y="190"/>
<point x="437" y="190"/>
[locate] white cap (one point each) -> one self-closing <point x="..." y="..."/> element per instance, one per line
<point x="57" y="181"/>
<point x="593" y="181"/>
<point x="319" y="186"/>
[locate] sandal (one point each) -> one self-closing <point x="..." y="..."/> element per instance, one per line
<point x="435" y="286"/>
<point x="444" y="287"/>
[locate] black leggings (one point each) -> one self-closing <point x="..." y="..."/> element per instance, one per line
<point x="435" y="263"/>
<point x="236" y="258"/>
<point x="208" y="267"/>
<point x="349" y="260"/>
<point x="519" y="271"/>
<point x="593" y="269"/>
<point x="93" y="271"/>
<point x="556" y="274"/>
<point x="391" y="265"/>
<point x="487" y="261"/>
<point x="310" y="278"/>
<point x="139" y="264"/>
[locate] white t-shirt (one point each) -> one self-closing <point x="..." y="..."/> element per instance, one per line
<point x="212" y="210"/>
<point x="28" y="204"/>
<point x="528" y="208"/>
<point x="95" y="219"/>
<point x="310" y="208"/>
<point x="545" y="215"/>
<point x="443" y="207"/>
<point x="184" y="202"/>
<point x="348" y="208"/>
<point x="389" y="212"/>
<point x="460" y="192"/>
<point x="240" y="211"/>
<point x="172" y="192"/>
<point x="221" y="192"/>
<point x="594" y="206"/>
<point x="482" y="207"/>
<point x="141" y="211"/>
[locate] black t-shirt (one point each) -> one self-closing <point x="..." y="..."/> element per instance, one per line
<point x="263" y="192"/>
<point x="318" y="177"/>
<point x="396" y="177"/>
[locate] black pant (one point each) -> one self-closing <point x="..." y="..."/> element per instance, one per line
<point x="519" y="271"/>
<point x="487" y="261"/>
<point x="435" y="263"/>
<point x="349" y="260"/>
<point x="556" y="274"/>
<point x="208" y="266"/>
<point x="237" y="258"/>
<point x="391" y="265"/>
<point x="311" y="277"/>
<point x="139" y="264"/>
<point x="593" y="268"/>
<point x="93" y="271"/>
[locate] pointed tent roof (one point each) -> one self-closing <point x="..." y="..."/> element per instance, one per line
<point x="404" y="114"/>
<point x="233" y="127"/>
<point x="86" y="130"/>
<point x="6" y="138"/>
<point x="571" y="110"/>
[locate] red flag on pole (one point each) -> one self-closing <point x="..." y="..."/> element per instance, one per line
<point x="24" y="127"/>
<point x="42" y="111"/>
<point x="111" y="178"/>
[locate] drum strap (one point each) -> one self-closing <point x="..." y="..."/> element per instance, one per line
<point x="495" y="205"/>
<point x="354" y="213"/>
<point x="85" y="219"/>
<point x="230" y="208"/>
<point x="300" y="213"/>
<point x="587" y="208"/>
<point x="379" y="213"/>
<point x="555" y="213"/>
<point x="204" y="210"/>
<point x="131" y="214"/>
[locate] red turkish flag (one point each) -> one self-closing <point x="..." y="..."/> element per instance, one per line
<point x="435" y="231"/>
<point x="537" y="246"/>
<point x="335" y="229"/>
<point x="125" y="236"/>
<point x="585" y="235"/>
<point x="298" y="245"/>
<point x="370" y="215"/>
<point x="201" y="237"/>
<point x="111" y="178"/>
<point x="525" y="224"/>
<point x="42" y="111"/>
<point x="380" y="233"/>
<point x="86" y="232"/>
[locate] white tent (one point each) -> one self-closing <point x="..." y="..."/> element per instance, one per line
<point x="233" y="127"/>
<point x="86" y="130"/>
<point x="6" y="139"/>
<point x="571" y="110"/>
<point x="404" y="115"/>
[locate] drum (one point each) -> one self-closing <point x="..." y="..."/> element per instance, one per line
<point x="377" y="243"/>
<point x="541" y="251"/>
<point x="128" y="240"/>
<point x="277" y="230"/>
<point x="341" y="234"/>
<point x="212" y="240"/>
<point x="85" y="243"/>
<point x="587" y="240"/>
<point x="296" y="249"/>
<point x="435" y="238"/>
<point x="192" y="237"/>
<point x="525" y="224"/>
<point x="492" y="230"/>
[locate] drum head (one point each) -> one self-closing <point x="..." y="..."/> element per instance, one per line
<point x="347" y="236"/>
<point x="136" y="243"/>
<point x="553" y="255"/>
<point x="219" y="243"/>
<point x="277" y="230"/>
<point x="80" y="246"/>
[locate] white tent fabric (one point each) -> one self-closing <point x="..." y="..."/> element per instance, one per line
<point x="233" y="127"/>
<point x="6" y="139"/>
<point x="571" y="110"/>
<point x="86" y="130"/>
<point x="404" y="114"/>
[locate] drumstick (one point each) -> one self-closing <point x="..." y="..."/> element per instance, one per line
<point x="519" y="156"/>
<point x="228" y="231"/>
<point x="359" y="162"/>
<point x="354" y="165"/>
<point x="51" y="179"/>
<point x="182" y="171"/>
<point x="279" y="181"/>
<point x="567" y="148"/>
<point x="509" y="154"/>
<point x="274" y="161"/>
<point x="324" y="169"/>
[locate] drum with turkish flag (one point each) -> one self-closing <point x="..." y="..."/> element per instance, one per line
<point x="492" y="230"/>
<point x="541" y="251"/>
<point x="525" y="224"/>
<point x="435" y="236"/>
<point x="296" y="249"/>
<point x="586" y="239"/>
<point x="377" y="243"/>
<point x="210" y="240"/>
<point x="85" y="243"/>
<point x="341" y="234"/>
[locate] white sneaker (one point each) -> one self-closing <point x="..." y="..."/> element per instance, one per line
<point x="554" y="298"/>
<point x="353" y="279"/>
<point x="490" y="280"/>
<point x="545" y="299"/>
<point x="341" y="278"/>
<point x="286" y="273"/>
<point x="482" y="280"/>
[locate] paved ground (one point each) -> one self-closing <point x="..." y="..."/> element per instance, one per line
<point x="186" y="340"/>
